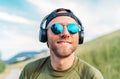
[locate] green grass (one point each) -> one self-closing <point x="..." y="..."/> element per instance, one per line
<point x="2" y="66"/>
<point x="104" y="54"/>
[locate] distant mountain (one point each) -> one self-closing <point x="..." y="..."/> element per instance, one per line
<point x="24" y="56"/>
<point x="104" y="54"/>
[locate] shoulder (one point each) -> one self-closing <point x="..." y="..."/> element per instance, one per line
<point x="31" y="68"/>
<point x="88" y="70"/>
<point x="36" y="63"/>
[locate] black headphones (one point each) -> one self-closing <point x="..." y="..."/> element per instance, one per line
<point x="48" y="18"/>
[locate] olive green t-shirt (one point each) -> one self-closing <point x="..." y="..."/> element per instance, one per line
<point x="42" y="69"/>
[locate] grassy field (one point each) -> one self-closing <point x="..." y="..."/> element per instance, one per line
<point x="104" y="54"/>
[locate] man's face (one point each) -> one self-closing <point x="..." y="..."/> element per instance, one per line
<point x="63" y="44"/>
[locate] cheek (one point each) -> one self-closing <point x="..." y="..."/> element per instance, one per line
<point x="75" y="38"/>
<point x="51" y="37"/>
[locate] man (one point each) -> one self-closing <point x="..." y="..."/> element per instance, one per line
<point x="63" y="32"/>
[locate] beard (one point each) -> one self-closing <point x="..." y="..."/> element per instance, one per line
<point x="62" y="52"/>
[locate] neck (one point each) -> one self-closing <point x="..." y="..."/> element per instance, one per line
<point x="62" y="63"/>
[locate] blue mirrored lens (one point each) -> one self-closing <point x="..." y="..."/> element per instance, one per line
<point x="73" y="28"/>
<point x="57" y="28"/>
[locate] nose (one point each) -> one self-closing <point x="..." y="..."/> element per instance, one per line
<point x="65" y="33"/>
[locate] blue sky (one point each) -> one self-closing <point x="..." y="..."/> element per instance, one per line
<point x="20" y="20"/>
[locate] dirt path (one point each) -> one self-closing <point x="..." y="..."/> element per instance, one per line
<point x="13" y="74"/>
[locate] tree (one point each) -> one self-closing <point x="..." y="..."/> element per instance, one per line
<point x="2" y="64"/>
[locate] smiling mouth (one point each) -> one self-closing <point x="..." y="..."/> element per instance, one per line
<point x="64" y="42"/>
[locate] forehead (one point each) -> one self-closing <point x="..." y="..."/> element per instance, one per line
<point x="62" y="20"/>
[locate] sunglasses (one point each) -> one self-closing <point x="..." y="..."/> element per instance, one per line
<point x="72" y="28"/>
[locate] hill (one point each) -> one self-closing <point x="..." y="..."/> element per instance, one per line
<point x="103" y="53"/>
<point x="23" y="56"/>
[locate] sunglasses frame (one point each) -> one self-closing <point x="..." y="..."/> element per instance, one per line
<point x="68" y="28"/>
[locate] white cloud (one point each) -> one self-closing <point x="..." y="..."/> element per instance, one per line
<point x="15" y="19"/>
<point x="102" y="15"/>
<point x="13" y="42"/>
<point x="46" y="6"/>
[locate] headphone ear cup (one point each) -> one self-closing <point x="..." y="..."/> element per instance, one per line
<point x="81" y="37"/>
<point x="43" y="35"/>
